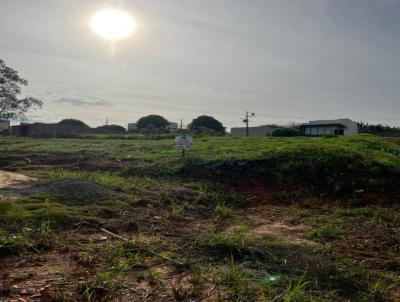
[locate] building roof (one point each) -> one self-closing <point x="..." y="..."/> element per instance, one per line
<point x="338" y="122"/>
<point x="255" y="127"/>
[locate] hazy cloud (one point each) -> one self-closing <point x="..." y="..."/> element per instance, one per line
<point x="79" y="102"/>
<point x="283" y="59"/>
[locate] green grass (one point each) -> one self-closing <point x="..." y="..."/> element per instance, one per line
<point x="189" y="211"/>
<point x="326" y="233"/>
<point x="334" y="165"/>
<point x="276" y="269"/>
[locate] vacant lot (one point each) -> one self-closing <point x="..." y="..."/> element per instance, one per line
<point x="241" y="219"/>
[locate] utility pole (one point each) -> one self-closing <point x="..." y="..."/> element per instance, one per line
<point x="181" y="124"/>
<point x="246" y="120"/>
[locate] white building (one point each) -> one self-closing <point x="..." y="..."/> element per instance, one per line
<point x="4" y="125"/>
<point x="329" y="127"/>
<point x="132" y="127"/>
<point x="253" y="131"/>
<point x="172" y="126"/>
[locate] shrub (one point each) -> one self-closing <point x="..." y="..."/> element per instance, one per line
<point x="11" y="245"/>
<point x="152" y="121"/>
<point x="73" y="122"/>
<point x="204" y="122"/>
<point x="285" y="132"/>
<point x="115" y="128"/>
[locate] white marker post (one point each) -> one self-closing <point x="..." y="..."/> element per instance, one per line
<point x="183" y="143"/>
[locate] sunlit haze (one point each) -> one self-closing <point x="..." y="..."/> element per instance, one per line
<point x="112" y="24"/>
<point x="285" y="60"/>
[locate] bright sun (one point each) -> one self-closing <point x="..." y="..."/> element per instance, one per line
<point x="112" y="24"/>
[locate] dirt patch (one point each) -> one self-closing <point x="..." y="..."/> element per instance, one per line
<point x="71" y="192"/>
<point x="268" y="221"/>
<point x="32" y="278"/>
<point x="12" y="180"/>
<point x="277" y="229"/>
<point x="77" y="161"/>
<point x="358" y="247"/>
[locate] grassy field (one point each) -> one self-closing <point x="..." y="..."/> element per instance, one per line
<point x="241" y="219"/>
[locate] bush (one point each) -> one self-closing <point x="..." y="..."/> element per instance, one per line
<point x="285" y="132"/>
<point x="204" y="122"/>
<point x="152" y="121"/>
<point x="114" y="128"/>
<point x="73" y="122"/>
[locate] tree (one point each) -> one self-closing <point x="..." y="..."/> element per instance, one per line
<point x="10" y="87"/>
<point x="381" y="130"/>
<point x="208" y="122"/>
<point x="73" y="122"/>
<point x="152" y="121"/>
<point x="115" y="128"/>
<point x="285" y="132"/>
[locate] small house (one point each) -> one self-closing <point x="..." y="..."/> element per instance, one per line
<point x="172" y="126"/>
<point x="4" y="125"/>
<point x="253" y="131"/>
<point x="329" y="127"/>
<point x="132" y="127"/>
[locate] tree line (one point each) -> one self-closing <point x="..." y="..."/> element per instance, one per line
<point x="12" y="107"/>
<point x="379" y="129"/>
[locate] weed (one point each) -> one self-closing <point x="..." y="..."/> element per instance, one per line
<point x="326" y="233"/>
<point x="223" y="212"/>
<point x="238" y="285"/>
<point x="176" y="210"/>
<point x="295" y="290"/>
<point x="155" y="278"/>
<point x="44" y="228"/>
<point x="12" y="245"/>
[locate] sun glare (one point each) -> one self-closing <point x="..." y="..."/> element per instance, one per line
<point x="113" y="24"/>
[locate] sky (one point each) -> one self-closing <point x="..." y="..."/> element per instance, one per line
<point x="285" y="60"/>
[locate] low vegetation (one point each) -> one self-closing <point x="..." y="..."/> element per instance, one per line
<point x="241" y="219"/>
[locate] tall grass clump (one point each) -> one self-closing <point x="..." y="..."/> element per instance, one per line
<point x="330" y="165"/>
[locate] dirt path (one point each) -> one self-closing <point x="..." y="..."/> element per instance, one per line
<point x="10" y="180"/>
<point x="268" y="221"/>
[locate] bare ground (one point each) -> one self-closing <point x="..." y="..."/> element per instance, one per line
<point x="12" y="180"/>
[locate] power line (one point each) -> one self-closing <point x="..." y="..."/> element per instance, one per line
<point x="246" y="120"/>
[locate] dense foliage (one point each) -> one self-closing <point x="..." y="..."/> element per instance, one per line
<point x="73" y="122"/>
<point x="10" y="87"/>
<point x="206" y="122"/>
<point x="285" y="132"/>
<point x="152" y="121"/>
<point x="378" y="129"/>
<point x="116" y="128"/>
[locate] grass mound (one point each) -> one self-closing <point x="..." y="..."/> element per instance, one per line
<point x="72" y="192"/>
<point x="333" y="167"/>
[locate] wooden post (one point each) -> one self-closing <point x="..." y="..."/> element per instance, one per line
<point x="247" y="123"/>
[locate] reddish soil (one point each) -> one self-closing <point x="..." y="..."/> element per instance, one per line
<point x="71" y="161"/>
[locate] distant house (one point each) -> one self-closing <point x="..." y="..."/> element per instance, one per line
<point x="329" y="127"/>
<point x="172" y="126"/>
<point x="253" y="131"/>
<point x="58" y="130"/>
<point x="4" y="125"/>
<point x="132" y="127"/>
